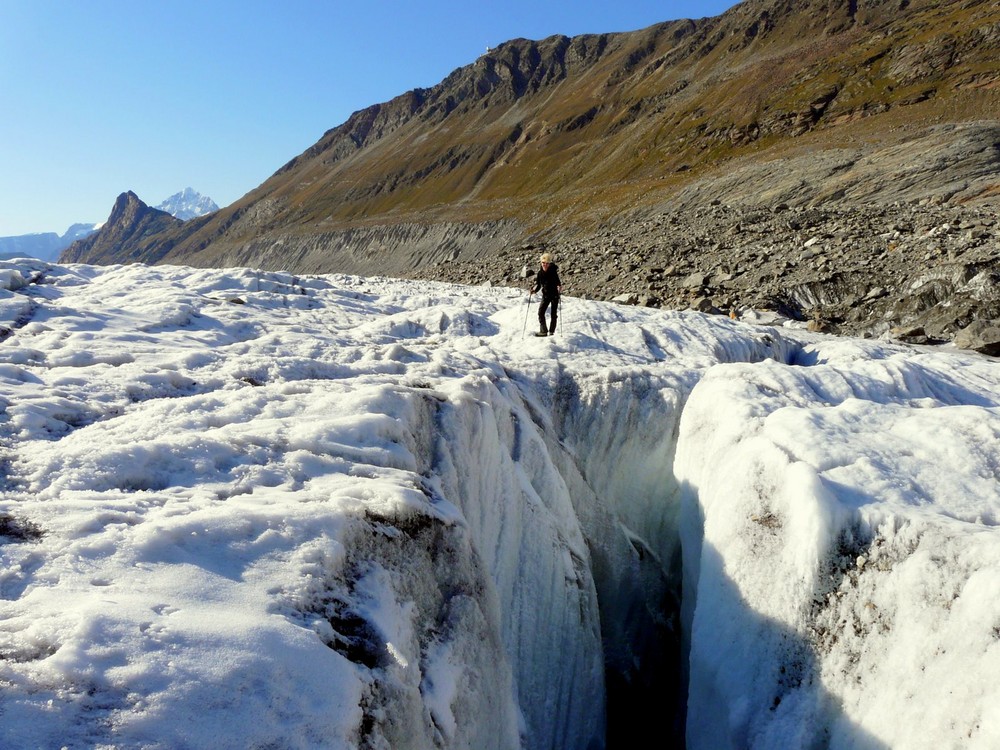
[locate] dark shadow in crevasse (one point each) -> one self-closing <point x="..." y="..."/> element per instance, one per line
<point x="643" y="678"/>
<point x="786" y="690"/>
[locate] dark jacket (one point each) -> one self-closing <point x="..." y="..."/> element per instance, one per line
<point x="548" y="281"/>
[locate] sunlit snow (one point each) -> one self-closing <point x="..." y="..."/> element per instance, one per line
<point x="256" y="510"/>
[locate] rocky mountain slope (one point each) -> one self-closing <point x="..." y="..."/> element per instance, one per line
<point x="134" y="232"/>
<point x="915" y="266"/>
<point x="805" y="157"/>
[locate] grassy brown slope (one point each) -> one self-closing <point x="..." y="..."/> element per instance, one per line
<point x="571" y="131"/>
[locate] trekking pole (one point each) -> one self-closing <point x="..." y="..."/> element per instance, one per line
<point x="526" y="311"/>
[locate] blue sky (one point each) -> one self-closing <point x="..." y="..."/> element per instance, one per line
<point x="107" y="96"/>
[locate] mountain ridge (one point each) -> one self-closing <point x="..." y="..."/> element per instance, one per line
<point x="44" y="245"/>
<point x="184" y="205"/>
<point x="540" y="142"/>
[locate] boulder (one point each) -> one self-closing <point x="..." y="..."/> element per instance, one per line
<point x="981" y="336"/>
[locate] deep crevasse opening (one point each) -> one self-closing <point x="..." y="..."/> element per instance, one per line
<point x="783" y="622"/>
<point x="575" y="512"/>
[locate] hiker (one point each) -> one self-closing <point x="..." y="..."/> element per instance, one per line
<point x="548" y="282"/>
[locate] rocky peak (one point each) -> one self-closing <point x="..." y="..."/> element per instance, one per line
<point x="127" y="211"/>
<point x="130" y="218"/>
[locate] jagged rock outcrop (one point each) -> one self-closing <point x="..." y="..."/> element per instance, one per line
<point x="133" y="232"/>
<point x="982" y="336"/>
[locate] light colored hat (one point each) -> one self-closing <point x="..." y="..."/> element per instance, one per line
<point x="546" y="257"/>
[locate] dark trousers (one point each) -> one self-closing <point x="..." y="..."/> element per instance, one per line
<point x="546" y="302"/>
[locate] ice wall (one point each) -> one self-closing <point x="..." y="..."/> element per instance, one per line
<point x="492" y="462"/>
<point x="563" y="476"/>
<point x="840" y="554"/>
<point x="611" y="434"/>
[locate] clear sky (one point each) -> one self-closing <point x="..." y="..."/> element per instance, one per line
<point x="101" y="97"/>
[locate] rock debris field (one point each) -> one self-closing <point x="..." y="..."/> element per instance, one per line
<point x="916" y="272"/>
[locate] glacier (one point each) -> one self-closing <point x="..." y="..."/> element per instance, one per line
<point x="247" y="509"/>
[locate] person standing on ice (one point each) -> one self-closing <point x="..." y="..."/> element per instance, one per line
<point x="549" y="284"/>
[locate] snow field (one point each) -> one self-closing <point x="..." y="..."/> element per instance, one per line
<point x="246" y="509"/>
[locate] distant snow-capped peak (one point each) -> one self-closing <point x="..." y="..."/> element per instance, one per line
<point x="79" y="231"/>
<point x="188" y="204"/>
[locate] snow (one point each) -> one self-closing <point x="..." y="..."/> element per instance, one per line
<point x="188" y="204"/>
<point x="248" y="509"/>
<point x="868" y="488"/>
